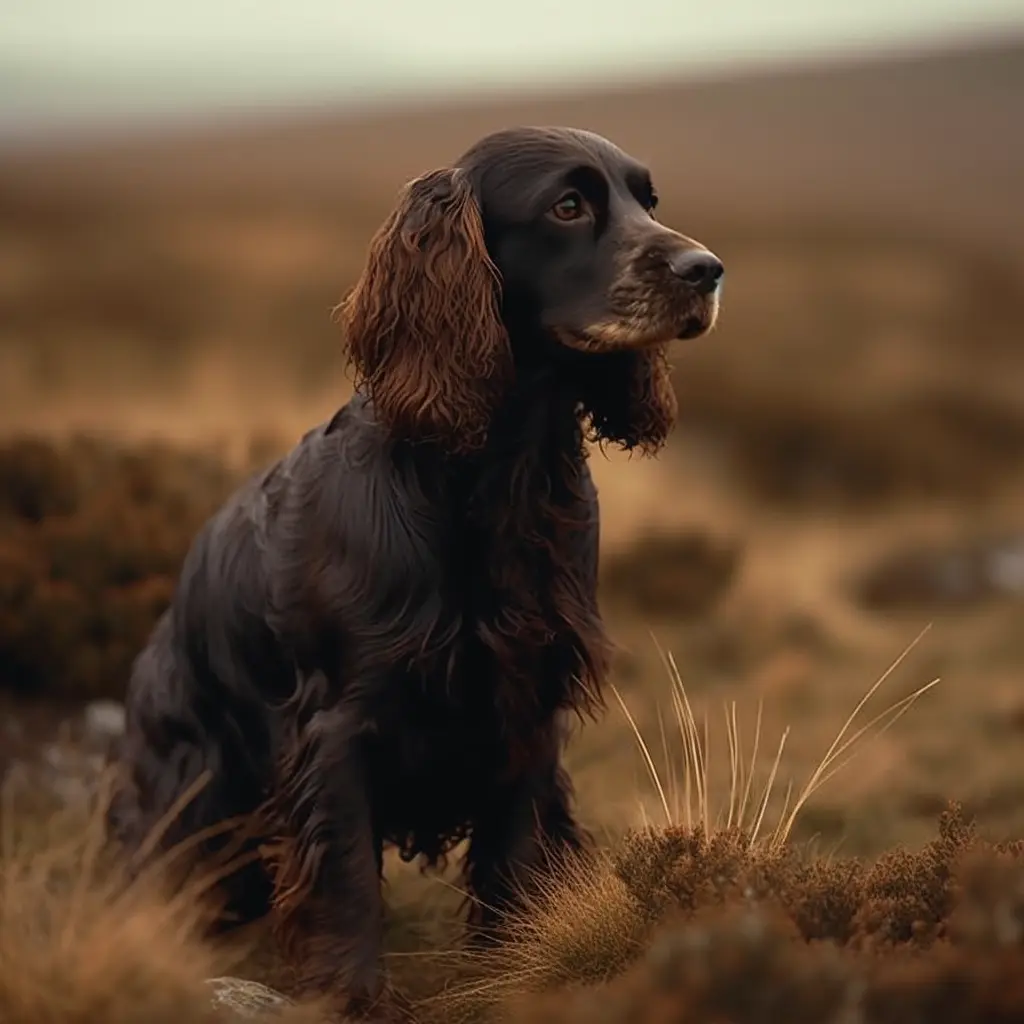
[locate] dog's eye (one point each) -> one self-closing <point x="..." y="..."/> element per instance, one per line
<point x="571" y="206"/>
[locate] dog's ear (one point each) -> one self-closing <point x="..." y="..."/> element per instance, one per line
<point x="423" y="323"/>
<point x="629" y="398"/>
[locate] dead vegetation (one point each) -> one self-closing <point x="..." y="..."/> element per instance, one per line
<point x="746" y="962"/>
<point x="714" y="915"/>
<point x="796" y="445"/>
<point x="675" y="925"/>
<point x="717" y="913"/>
<point x="78" y="946"/>
<point x="92" y="536"/>
<point x="683" y="573"/>
<point x="594" y="925"/>
<point x="704" y="928"/>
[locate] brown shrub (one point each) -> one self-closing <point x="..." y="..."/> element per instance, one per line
<point x="676" y="925"/>
<point x="791" y="444"/>
<point x="742" y="966"/>
<point x="92" y="536"/>
<point x="675" y="574"/>
<point x="757" y="934"/>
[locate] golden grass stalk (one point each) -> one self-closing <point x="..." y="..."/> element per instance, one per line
<point x="690" y="803"/>
<point x="79" y="944"/>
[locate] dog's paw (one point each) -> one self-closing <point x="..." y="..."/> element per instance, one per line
<point x="389" y="1007"/>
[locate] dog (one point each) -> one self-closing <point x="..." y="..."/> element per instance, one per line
<point x="382" y="638"/>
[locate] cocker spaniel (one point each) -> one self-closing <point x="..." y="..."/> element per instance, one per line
<point x="379" y="639"/>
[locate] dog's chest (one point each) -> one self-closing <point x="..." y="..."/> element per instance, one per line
<point x="457" y="729"/>
<point x="507" y="631"/>
<point x="435" y="764"/>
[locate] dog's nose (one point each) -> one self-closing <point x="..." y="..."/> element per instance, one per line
<point x="700" y="269"/>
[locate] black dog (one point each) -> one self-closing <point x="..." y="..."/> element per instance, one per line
<point x="378" y="639"/>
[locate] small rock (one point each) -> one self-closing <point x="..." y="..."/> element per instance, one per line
<point x="104" y="720"/>
<point x="54" y="757"/>
<point x="248" y="999"/>
<point x="1006" y="567"/>
<point x="955" y="575"/>
<point x="62" y="772"/>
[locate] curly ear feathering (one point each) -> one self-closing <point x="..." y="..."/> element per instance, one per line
<point x="423" y="323"/>
<point x="379" y="639"/>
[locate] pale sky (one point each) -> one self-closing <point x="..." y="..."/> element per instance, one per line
<point x="93" y="55"/>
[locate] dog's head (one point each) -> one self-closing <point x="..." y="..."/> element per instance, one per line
<point x="571" y="225"/>
<point x="539" y="243"/>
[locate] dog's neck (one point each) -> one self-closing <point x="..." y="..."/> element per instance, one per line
<point x="539" y="413"/>
<point x="534" y="451"/>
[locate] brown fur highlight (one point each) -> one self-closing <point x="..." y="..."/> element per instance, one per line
<point x="423" y="325"/>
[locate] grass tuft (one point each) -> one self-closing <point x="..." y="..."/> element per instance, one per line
<point x="79" y="946"/>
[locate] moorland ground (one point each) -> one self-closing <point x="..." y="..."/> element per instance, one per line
<point x="847" y="469"/>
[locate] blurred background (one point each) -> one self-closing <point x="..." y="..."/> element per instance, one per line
<point x="186" y="190"/>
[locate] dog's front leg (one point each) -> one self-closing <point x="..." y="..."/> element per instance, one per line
<point x="528" y="831"/>
<point x="327" y="900"/>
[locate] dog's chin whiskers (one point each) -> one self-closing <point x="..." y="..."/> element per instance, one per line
<point x="614" y="336"/>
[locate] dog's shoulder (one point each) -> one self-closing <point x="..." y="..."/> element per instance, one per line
<point x="350" y="436"/>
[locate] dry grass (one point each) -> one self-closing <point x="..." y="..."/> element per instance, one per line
<point x="713" y="914"/>
<point x="77" y="946"/>
<point x="689" y="804"/>
<point x="589" y="926"/>
<point x="674" y="925"/>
